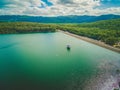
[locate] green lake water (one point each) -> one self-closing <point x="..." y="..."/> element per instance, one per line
<point x="42" y="62"/>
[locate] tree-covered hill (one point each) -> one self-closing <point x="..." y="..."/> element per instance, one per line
<point x="107" y="31"/>
<point x="113" y="24"/>
<point x="25" y="27"/>
<point x="56" y="19"/>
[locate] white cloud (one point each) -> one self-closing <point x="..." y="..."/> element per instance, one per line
<point x="59" y="7"/>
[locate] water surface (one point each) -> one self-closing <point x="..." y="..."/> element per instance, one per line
<point x="42" y="62"/>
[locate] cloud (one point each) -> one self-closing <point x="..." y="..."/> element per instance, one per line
<point x="56" y="7"/>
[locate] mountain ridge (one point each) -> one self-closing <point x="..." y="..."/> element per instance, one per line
<point x="56" y="19"/>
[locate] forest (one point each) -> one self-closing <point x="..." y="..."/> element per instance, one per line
<point x="107" y="31"/>
<point x="25" y="27"/>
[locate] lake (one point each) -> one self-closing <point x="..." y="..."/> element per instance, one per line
<point x="41" y="61"/>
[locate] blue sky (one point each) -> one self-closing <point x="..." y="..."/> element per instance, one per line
<point x="111" y="3"/>
<point x="59" y="7"/>
<point x="48" y="2"/>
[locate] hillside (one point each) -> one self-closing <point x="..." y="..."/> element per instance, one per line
<point x="107" y="31"/>
<point x="57" y="19"/>
<point x="25" y="27"/>
<point x="113" y="24"/>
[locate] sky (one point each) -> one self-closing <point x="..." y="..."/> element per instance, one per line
<point x="59" y="7"/>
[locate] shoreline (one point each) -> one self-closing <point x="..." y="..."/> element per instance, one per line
<point x="99" y="43"/>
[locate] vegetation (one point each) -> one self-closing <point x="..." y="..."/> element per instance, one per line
<point x="25" y="27"/>
<point x="107" y="31"/>
<point x="57" y="19"/>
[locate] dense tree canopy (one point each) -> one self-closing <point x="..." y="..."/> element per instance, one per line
<point x="25" y="27"/>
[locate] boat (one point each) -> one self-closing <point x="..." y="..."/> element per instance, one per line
<point x="68" y="47"/>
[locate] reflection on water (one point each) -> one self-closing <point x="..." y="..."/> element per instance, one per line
<point x="42" y="62"/>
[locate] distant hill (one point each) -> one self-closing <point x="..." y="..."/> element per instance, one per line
<point x="57" y="19"/>
<point x="112" y="24"/>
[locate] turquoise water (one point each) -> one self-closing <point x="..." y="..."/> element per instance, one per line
<point x="42" y="62"/>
